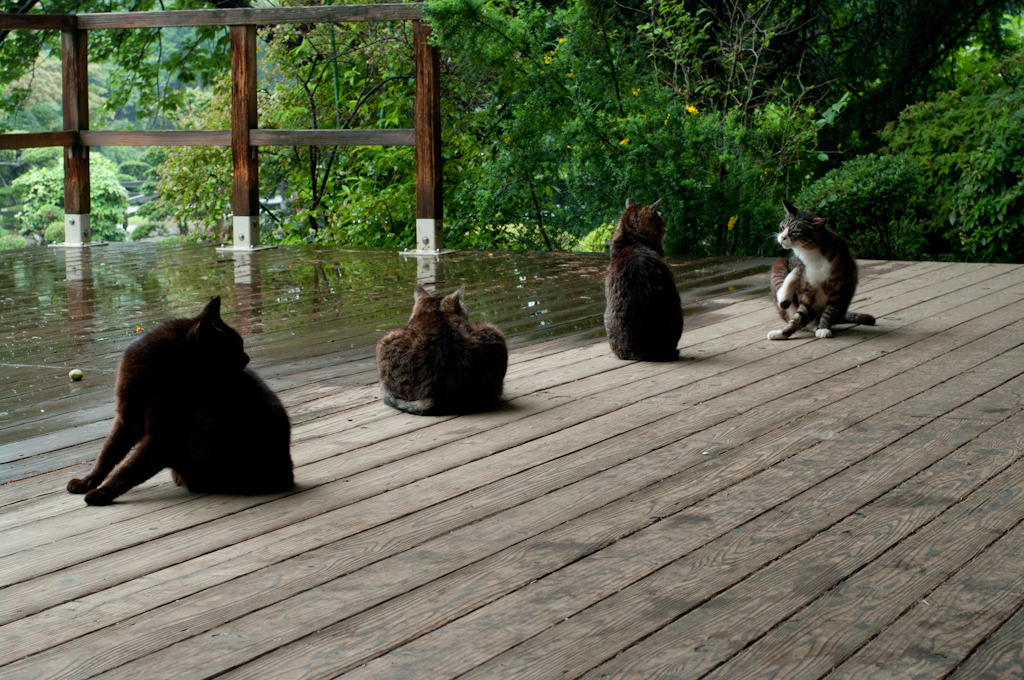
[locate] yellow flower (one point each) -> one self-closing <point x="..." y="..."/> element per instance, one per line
<point x="568" y="146"/>
<point x="636" y="91"/>
<point x="732" y="221"/>
<point x="569" y="75"/>
<point x="547" y="60"/>
<point x="691" y="109"/>
<point x="625" y="141"/>
<point x="561" y="40"/>
<point x="666" y="119"/>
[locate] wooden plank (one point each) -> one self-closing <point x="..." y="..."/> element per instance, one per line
<point x="343" y="643"/>
<point x="252" y="17"/>
<point x="245" y="199"/>
<point x="10" y="21"/>
<point x="427" y="114"/>
<point x="75" y="105"/>
<point x="422" y="538"/>
<point x="859" y="607"/>
<point x="34" y="140"/>
<point x="396" y="137"/>
<point x="1000" y="656"/>
<point x="432" y="649"/>
<point x="156" y="137"/>
<point x="944" y="627"/>
<point x="549" y="643"/>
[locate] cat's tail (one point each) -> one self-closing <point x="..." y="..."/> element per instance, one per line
<point x="862" y="319"/>
<point x="420" y="407"/>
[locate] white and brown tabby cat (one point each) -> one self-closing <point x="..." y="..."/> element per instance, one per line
<point x="186" y="397"/>
<point x="440" y="363"/>
<point x="813" y="288"/>
<point x="643" y="318"/>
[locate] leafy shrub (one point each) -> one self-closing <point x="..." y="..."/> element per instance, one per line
<point x="570" y="117"/>
<point x="11" y="241"/>
<point x="136" y="170"/>
<point x="969" y="144"/>
<point x="877" y="203"/>
<point x="40" y="191"/>
<point x="596" y="241"/>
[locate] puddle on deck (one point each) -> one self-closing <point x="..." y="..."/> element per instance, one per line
<point x="66" y="308"/>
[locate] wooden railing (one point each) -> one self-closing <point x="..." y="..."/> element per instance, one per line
<point x="244" y="137"/>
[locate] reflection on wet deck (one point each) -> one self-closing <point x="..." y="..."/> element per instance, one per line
<point x="844" y="508"/>
<point x="298" y="308"/>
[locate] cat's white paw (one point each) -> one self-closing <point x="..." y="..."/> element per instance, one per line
<point x="776" y="335"/>
<point x="823" y="333"/>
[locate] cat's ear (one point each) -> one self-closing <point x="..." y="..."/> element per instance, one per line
<point x="819" y="221"/>
<point x="419" y="292"/>
<point x="654" y="206"/>
<point x="790" y="208"/>
<point x="212" y="308"/>
<point x="630" y="202"/>
<point x="453" y="303"/>
<point x="206" y="320"/>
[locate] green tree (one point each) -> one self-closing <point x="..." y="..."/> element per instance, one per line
<point x="968" y="142"/>
<point x="40" y="194"/>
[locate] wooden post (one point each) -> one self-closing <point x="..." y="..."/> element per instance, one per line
<point x="245" y="200"/>
<point x="75" y="103"/>
<point x="427" y="115"/>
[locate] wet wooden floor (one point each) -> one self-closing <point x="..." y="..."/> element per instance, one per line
<point x="848" y="508"/>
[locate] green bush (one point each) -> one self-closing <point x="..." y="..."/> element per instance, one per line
<point x="136" y="170"/>
<point x="596" y="241"/>
<point x="969" y="144"/>
<point x="40" y="192"/>
<point x="560" y="115"/>
<point x="11" y="241"/>
<point x="54" y="232"/>
<point x="877" y="203"/>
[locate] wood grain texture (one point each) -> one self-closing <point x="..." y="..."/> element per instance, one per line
<point x="427" y="116"/>
<point x="263" y="16"/>
<point x="75" y="107"/>
<point x="848" y="506"/>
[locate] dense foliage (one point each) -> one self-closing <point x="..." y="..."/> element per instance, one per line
<point x="40" y="193"/>
<point x="556" y="111"/>
<point x="969" y="143"/>
<point x="878" y="203"/>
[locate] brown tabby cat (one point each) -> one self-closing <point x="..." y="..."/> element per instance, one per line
<point x="643" y="317"/>
<point x="441" y="363"/>
<point x="185" y="396"/>
<point x="814" y="287"/>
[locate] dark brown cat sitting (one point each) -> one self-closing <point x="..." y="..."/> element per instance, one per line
<point x="643" y="318"/>
<point x="185" y="396"/>
<point x="440" y="362"/>
<point x="814" y="287"/>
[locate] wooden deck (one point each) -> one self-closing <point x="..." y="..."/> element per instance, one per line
<point x="848" y="508"/>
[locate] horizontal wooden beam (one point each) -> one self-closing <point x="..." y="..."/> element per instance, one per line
<point x="35" y="22"/>
<point x="156" y="137"/>
<point x="251" y="17"/>
<point x="35" y="140"/>
<point x="401" y="137"/>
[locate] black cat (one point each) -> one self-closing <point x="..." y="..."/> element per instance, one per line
<point x="643" y="318"/>
<point x="185" y="396"/>
<point x="440" y="362"/>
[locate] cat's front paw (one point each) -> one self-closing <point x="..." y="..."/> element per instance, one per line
<point x="823" y="333"/>
<point x="80" y="486"/>
<point x="99" y="497"/>
<point x="776" y="335"/>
